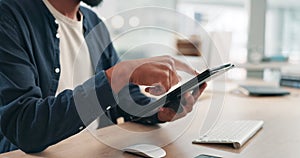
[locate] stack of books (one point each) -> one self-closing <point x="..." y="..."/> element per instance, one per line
<point x="290" y="77"/>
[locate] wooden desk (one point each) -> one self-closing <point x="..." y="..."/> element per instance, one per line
<point x="279" y="137"/>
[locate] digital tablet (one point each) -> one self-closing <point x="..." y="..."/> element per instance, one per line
<point x="173" y="98"/>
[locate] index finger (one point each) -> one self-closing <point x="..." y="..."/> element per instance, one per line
<point x="181" y="66"/>
<point x="177" y="64"/>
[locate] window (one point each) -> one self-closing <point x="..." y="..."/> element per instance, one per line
<point x="226" y="19"/>
<point x="283" y="30"/>
<point x="222" y="18"/>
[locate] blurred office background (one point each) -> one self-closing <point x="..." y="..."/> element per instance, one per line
<point x="260" y="36"/>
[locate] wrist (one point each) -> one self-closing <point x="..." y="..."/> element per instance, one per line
<point x="117" y="76"/>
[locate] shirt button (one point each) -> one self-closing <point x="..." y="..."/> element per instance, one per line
<point x="109" y="107"/>
<point x="57" y="70"/>
<point x="80" y="128"/>
<point x="56" y="22"/>
<point x="57" y="35"/>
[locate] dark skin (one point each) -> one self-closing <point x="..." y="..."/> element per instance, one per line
<point x="159" y="73"/>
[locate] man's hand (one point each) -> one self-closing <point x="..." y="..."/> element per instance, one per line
<point x="158" y="72"/>
<point x="168" y="114"/>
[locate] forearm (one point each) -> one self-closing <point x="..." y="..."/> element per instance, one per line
<point x="118" y="76"/>
<point x="33" y="123"/>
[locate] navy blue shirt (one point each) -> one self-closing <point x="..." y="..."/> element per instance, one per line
<point x="31" y="116"/>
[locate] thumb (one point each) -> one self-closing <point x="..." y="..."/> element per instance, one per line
<point x="156" y="90"/>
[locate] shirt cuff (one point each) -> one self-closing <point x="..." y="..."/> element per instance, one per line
<point x="151" y="120"/>
<point x="94" y="97"/>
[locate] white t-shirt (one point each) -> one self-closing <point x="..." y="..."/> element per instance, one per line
<point x="75" y="61"/>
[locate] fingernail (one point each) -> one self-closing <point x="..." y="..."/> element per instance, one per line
<point x="147" y="89"/>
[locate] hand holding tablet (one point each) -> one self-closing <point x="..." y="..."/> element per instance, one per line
<point x="173" y="99"/>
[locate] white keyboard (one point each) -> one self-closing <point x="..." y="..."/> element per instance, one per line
<point x="232" y="132"/>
